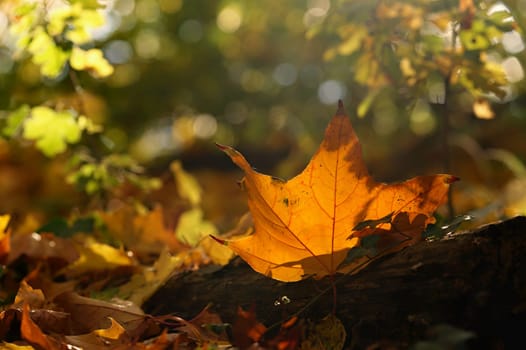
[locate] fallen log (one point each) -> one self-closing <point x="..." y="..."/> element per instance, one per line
<point x="474" y="281"/>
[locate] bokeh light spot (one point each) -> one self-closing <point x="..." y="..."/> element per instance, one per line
<point x="170" y="6"/>
<point x="191" y="31"/>
<point x="512" y="42"/>
<point x="316" y="12"/>
<point x="330" y="91"/>
<point x="285" y="74"/>
<point x="229" y="19"/>
<point x="6" y="63"/>
<point x="147" y="11"/>
<point x="513" y="69"/>
<point x="147" y="43"/>
<point x="118" y="51"/>
<point x="205" y="126"/>
<point x="385" y="121"/>
<point x="421" y="120"/>
<point x="252" y="80"/>
<point x="124" y="7"/>
<point x="3" y="24"/>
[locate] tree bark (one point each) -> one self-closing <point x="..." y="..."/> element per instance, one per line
<point x="474" y="281"/>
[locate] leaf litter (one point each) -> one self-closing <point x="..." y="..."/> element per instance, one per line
<point x="332" y="218"/>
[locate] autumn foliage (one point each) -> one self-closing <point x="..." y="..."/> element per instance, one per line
<point x="332" y="218"/>
<point x="307" y="226"/>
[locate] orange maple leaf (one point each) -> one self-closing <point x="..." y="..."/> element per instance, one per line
<point x="307" y="225"/>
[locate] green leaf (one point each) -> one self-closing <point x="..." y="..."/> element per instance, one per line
<point x="27" y="17"/>
<point x="15" y="120"/>
<point x="366" y="103"/>
<point x="91" y="60"/>
<point x="192" y="227"/>
<point x="353" y="42"/>
<point x="75" y="22"/>
<point x="47" y="54"/>
<point x="89" y="4"/>
<point x="474" y="40"/>
<point x="51" y="130"/>
<point x="503" y="20"/>
<point x="61" y="227"/>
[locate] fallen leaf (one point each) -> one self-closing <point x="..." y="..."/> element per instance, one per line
<point x="112" y="332"/>
<point x="246" y="329"/>
<point x="100" y="338"/>
<point x="88" y="314"/>
<point x="289" y="335"/>
<point x="13" y="346"/>
<point x="187" y="186"/>
<point x="57" y="251"/>
<point x="218" y="254"/>
<point x="143" y="284"/>
<point x="5" y="235"/>
<point x="33" y="334"/>
<point x="27" y="295"/>
<point x="95" y="256"/>
<point x="205" y="327"/>
<point x="143" y="233"/>
<point x="192" y="227"/>
<point x="305" y="226"/>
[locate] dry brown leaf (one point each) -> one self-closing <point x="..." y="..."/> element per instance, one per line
<point x="33" y="334"/>
<point x="88" y="314"/>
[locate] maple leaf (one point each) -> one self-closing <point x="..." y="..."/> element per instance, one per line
<point x="307" y="225"/>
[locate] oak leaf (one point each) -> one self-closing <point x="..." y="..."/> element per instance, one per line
<point x="307" y="225"/>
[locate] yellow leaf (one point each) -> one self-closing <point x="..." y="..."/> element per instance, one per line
<point x="482" y="109"/>
<point x="353" y="42"/>
<point x="306" y="226"/>
<point x="5" y="234"/>
<point x="112" y="332"/>
<point x="187" y="186"/>
<point x="192" y="227"/>
<point x="95" y="256"/>
<point x="219" y="254"/>
<point x="91" y="60"/>
<point x="142" y="285"/>
<point x="4" y="221"/>
<point x="13" y="346"/>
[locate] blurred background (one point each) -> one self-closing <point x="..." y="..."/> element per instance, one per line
<point x="430" y="86"/>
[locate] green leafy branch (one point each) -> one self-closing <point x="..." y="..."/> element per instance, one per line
<point x="54" y="36"/>
<point x="409" y="45"/>
<point x="51" y="130"/>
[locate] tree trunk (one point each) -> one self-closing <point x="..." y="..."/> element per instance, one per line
<point x="474" y="281"/>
